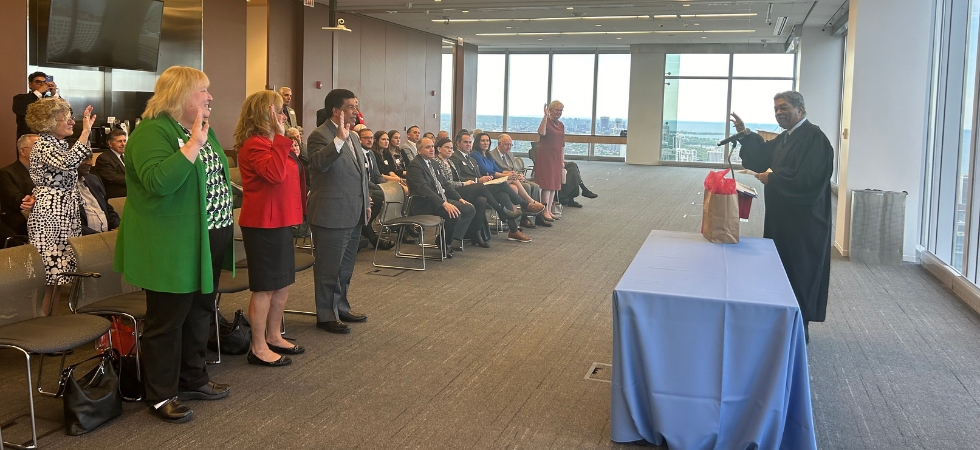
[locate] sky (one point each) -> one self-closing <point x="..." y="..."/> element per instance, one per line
<point x="697" y="100"/>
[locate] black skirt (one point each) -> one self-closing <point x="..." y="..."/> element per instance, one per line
<point x="271" y="258"/>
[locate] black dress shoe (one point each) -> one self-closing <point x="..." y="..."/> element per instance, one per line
<point x="351" y="316"/>
<point x="210" y="391"/>
<point x="573" y="204"/>
<point x="334" y="326"/>
<point x="586" y="192"/>
<point x="526" y="223"/>
<point x="541" y="221"/>
<point x="448" y="254"/>
<point x="294" y="350"/>
<point x="173" y="411"/>
<point x="282" y="361"/>
<point x="384" y="244"/>
<point x="478" y="240"/>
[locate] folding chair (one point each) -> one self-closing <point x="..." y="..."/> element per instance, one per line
<point x="394" y="220"/>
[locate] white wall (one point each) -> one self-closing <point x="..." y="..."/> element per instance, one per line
<point x="886" y="99"/>
<point x="821" y="61"/>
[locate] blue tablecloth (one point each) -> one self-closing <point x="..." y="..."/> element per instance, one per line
<point x="708" y="348"/>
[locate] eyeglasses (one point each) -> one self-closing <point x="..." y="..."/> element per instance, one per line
<point x="38" y="81"/>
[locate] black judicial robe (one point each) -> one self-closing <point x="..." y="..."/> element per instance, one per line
<point x="797" y="199"/>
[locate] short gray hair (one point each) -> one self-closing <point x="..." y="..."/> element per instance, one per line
<point x="793" y="98"/>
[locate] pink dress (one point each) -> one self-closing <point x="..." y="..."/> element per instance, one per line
<point x="548" y="166"/>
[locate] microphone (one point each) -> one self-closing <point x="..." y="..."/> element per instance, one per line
<point x="735" y="137"/>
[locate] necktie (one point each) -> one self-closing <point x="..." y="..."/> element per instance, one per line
<point x="435" y="179"/>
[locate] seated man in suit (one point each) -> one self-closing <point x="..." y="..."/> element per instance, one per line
<point x="109" y="166"/>
<point x="95" y="211"/>
<point x="16" y="187"/>
<point x="436" y="196"/>
<point x="410" y="143"/>
<point x="504" y="158"/>
<point x="366" y="137"/>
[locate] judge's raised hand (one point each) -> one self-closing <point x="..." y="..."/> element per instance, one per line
<point x="737" y="121"/>
<point x="342" y="131"/>
<point x="547" y="112"/>
<point x="763" y="177"/>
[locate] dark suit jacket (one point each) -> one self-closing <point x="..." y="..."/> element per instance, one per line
<point x="15" y="184"/>
<point x="112" y="172"/>
<point x="468" y="170"/>
<point x="338" y="183"/>
<point x="422" y="186"/>
<point x="373" y="171"/>
<point x="20" y="104"/>
<point x="94" y="185"/>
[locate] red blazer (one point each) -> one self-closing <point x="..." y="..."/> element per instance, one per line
<point x="274" y="191"/>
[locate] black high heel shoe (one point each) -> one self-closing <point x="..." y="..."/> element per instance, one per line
<point x="282" y="361"/>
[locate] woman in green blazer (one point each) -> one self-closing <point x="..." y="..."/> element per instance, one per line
<point x="175" y="237"/>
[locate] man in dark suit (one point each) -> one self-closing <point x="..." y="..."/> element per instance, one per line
<point x="109" y="166"/>
<point x="435" y="195"/>
<point x="339" y="205"/>
<point x="287" y="96"/>
<point x="37" y="83"/>
<point x="16" y="187"/>
<point x="96" y="213"/>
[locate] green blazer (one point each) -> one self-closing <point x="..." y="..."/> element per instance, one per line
<point x="163" y="243"/>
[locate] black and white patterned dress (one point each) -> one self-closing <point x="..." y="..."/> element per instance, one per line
<point x="55" y="217"/>
<point x="218" y="196"/>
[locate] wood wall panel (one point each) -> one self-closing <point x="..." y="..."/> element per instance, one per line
<point x="13" y="77"/>
<point x="416" y="94"/>
<point x="396" y="77"/>
<point x="317" y="65"/>
<point x="348" y="70"/>
<point x="286" y="48"/>
<point x="371" y="97"/>
<point x="225" y="63"/>
<point x="433" y="82"/>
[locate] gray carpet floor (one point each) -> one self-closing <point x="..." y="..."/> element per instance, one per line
<point x="491" y="349"/>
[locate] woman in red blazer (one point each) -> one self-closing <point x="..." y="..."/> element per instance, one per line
<point x="273" y="202"/>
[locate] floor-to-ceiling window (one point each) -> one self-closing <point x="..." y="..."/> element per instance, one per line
<point x="513" y="88"/>
<point x="446" y="108"/>
<point x="951" y="200"/>
<point x="702" y="90"/>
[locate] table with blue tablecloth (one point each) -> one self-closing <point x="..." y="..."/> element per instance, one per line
<point x="709" y="349"/>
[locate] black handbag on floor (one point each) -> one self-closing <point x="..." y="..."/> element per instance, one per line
<point x="236" y="336"/>
<point x="93" y="399"/>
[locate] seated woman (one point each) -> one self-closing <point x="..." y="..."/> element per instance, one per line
<point x="381" y="143"/>
<point x="475" y="193"/>
<point x="393" y="161"/>
<point x="274" y="197"/>
<point x="487" y="166"/>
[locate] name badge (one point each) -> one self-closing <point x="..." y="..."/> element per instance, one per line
<point x="180" y="142"/>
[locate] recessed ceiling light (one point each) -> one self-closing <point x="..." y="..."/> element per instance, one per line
<point x="509" y="27"/>
<point x="703" y="16"/>
<point x="570" y="7"/>
<point x="618" y="38"/>
<point x="598" y="25"/>
<point x="465" y="11"/>
<point x="540" y="39"/>
<point x="704" y="37"/>
<point x="539" y="19"/>
<point x="697" y="24"/>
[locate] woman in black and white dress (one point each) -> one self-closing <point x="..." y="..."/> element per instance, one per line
<point x="54" y="170"/>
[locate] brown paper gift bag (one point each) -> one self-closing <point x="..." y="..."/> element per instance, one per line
<point x="719" y="219"/>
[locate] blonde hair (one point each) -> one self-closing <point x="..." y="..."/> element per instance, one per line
<point x="556" y="104"/>
<point x="256" y="118"/>
<point x="173" y="88"/>
<point x="42" y="115"/>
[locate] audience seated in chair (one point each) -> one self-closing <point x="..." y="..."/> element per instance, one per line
<point x="109" y="166"/>
<point x="433" y="194"/>
<point x="16" y="187"/>
<point x="509" y="162"/>
<point x="375" y="177"/>
<point x="487" y="167"/>
<point x="97" y="215"/>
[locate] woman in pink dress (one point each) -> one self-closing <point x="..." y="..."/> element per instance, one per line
<point x="550" y="160"/>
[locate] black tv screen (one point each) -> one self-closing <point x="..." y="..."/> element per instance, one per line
<point x="122" y="34"/>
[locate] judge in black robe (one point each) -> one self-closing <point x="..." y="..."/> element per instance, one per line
<point x="797" y="195"/>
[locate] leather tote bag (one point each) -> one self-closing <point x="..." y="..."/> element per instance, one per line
<point x="93" y="399"/>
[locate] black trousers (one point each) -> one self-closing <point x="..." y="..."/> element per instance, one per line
<point x="378" y="203"/>
<point x="573" y="178"/>
<point x="175" y="333"/>
<point x="335" y="251"/>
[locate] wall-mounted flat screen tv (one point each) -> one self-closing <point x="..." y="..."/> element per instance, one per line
<point x="121" y="34"/>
